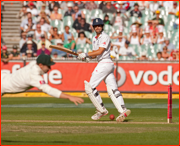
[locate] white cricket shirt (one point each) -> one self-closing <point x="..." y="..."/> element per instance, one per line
<point x="25" y="78"/>
<point x="102" y="41"/>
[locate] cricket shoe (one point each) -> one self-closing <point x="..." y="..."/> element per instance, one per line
<point x="98" y="115"/>
<point x="122" y="116"/>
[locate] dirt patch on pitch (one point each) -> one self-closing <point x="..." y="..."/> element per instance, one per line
<point x="81" y="129"/>
<point x="84" y="122"/>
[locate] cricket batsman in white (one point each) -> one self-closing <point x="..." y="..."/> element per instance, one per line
<point x="31" y="76"/>
<point x="103" y="71"/>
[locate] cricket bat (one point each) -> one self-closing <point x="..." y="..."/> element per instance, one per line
<point x="63" y="49"/>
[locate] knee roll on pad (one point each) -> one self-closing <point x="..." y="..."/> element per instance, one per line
<point x="89" y="92"/>
<point x="114" y="95"/>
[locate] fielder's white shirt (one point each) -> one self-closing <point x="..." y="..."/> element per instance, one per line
<point x="26" y="78"/>
<point x="102" y="41"/>
<point x="126" y="51"/>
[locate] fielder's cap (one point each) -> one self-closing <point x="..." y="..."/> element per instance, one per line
<point x="29" y="51"/>
<point x="136" y="4"/>
<point x="29" y="42"/>
<point x="59" y="41"/>
<point x="4" y="48"/>
<point x="127" y="42"/>
<point x="157" y="12"/>
<point x="45" y="60"/>
<point x="29" y="35"/>
<point x="31" y="4"/>
<point x="14" y="47"/>
<point x="69" y="37"/>
<point x="70" y="4"/>
<point x="42" y="36"/>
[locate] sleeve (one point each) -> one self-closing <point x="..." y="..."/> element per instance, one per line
<point x="38" y="81"/>
<point x="104" y="42"/>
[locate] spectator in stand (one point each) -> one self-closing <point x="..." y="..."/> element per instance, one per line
<point x="22" y="14"/>
<point x="148" y="40"/>
<point x="43" y="50"/>
<point x="120" y="42"/>
<point x="136" y="12"/>
<point x="176" y="22"/>
<point x="134" y="39"/>
<point x="159" y="56"/>
<point x="66" y="34"/>
<point x="173" y="10"/>
<point x="23" y="40"/>
<point x="143" y="5"/>
<point x="106" y="20"/>
<point x="126" y="50"/>
<point x="5" y="55"/>
<point x="160" y="37"/>
<point x="160" y="20"/>
<point x="47" y="43"/>
<point x="137" y="25"/>
<point x="91" y="27"/>
<point x="59" y="42"/>
<point x="143" y="56"/>
<point x="43" y="15"/>
<point x="43" y="8"/>
<point x="165" y="54"/>
<point x="77" y="12"/>
<point x="64" y="5"/>
<point x="29" y="54"/>
<point x="70" y="10"/>
<point x="32" y="9"/>
<point x="80" y="4"/>
<point x="119" y="20"/>
<point x="29" y="47"/>
<point x="55" y="34"/>
<point x="25" y="21"/>
<point x="154" y="6"/>
<point x="167" y="4"/>
<point x="55" y="15"/>
<point x="120" y="34"/>
<point x="121" y="8"/>
<point x="70" y="45"/>
<point x="169" y="45"/>
<point x="77" y="22"/>
<point x="82" y="40"/>
<point x="102" y="4"/>
<point x="30" y="26"/>
<point x="44" y="26"/>
<point x="55" y="55"/>
<point x="34" y="45"/>
<point x="174" y="55"/>
<point x="108" y="8"/>
<point x="38" y="33"/>
<point x="2" y="6"/>
<point x="91" y="5"/>
<point x="153" y="29"/>
<point x="14" y="54"/>
<point x="84" y="26"/>
<point x="52" y="5"/>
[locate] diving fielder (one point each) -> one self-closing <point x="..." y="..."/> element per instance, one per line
<point x="103" y="71"/>
<point x="31" y="76"/>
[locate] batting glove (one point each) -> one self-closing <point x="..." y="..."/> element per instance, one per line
<point x="81" y="56"/>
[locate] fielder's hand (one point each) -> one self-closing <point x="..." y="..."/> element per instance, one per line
<point x="76" y="100"/>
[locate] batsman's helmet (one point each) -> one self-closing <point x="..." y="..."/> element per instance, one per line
<point x="97" y="21"/>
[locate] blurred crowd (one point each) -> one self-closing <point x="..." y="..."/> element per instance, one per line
<point x="142" y="30"/>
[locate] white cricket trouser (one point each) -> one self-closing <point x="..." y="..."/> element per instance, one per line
<point x="104" y="71"/>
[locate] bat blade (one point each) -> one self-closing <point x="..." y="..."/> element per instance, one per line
<point x="63" y="49"/>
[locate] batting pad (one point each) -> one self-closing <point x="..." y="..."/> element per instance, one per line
<point x="93" y="99"/>
<point x="118" y="102"/>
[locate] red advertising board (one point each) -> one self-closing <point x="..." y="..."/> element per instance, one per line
<point x="132" y="77"/>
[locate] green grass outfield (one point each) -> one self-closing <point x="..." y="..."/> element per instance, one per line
<point x="51" y="121"/>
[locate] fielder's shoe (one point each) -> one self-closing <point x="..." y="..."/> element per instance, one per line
<point x="98" y="115"/>
<point x="122" y="116"/>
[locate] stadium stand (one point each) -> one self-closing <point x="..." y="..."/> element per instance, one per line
<point x="160" y="18"/>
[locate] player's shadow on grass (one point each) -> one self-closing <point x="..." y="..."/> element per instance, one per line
<point x="34" y="141"/>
